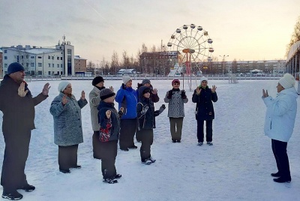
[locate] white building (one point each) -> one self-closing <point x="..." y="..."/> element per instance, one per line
<point x="39" y="61"/>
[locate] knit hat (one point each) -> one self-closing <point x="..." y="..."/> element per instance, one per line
<point x="287" y="81"/>
<point x="203" y="79"/>
<point x="146" y="81"/>
<point x="97" y="80"/>
<point x="106" y="93"/>
<point x="14" y="67"/>
<point x="175" y="81"/>
<point x="62" y="86"/>
<point x="126" y="78"/>
<point x="146" y="90"/>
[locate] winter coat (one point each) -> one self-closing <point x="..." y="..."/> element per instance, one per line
<point x="176" y="104"/>
<point x="67" y="120"/>
<point x="18" y="112"/>
<point x="204" y="107"/>
<point x="281" y="115"/>
<point x="109" y="128"/>
<point x="94" y="100"/>
<point x="127" y="98"/>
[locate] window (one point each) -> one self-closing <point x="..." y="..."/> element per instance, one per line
<point x="52" y="65"/>
<point x="5" y="57"/>
<point x="39" y="64"/>
<point x="57" y="58"/>
<point x="32" y="57"/>
<point x="49" y="57"/>
<point x="39" y="57"/>
<point x="32" y="64"/>
<point x="52" y="57"/>
<point x="5" y="51"/>
<point x="5" y="65"/>
<point x="57" y="65"/>
<point x="49" y="65"/>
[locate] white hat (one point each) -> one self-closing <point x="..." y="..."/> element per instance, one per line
<point x="62" y="86"/>
<point x="203" y="78"/>
<point x="287" y="81"/>
<point x="126" y="79"/>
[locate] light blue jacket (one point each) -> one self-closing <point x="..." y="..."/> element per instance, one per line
<point x="281" y="115"/>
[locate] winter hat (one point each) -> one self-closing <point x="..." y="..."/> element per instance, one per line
<point x="287" y="81"/>
<point x="106" y="93"/>
<point x="203" y="79"/>
<point x="14" y="67"/>
<point x="146" y="81"/>
<point x="62" y="86"/>
<point x="175" y="81"/>
<point x="126" y="79"/>
<point x="97" y="80"/>
<point x="146" y="90"/>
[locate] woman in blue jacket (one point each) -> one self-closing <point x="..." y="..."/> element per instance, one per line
<point x="279" y="123"/>
<point x="127" y="98"/>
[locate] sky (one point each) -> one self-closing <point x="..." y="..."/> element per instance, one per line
<point x="236" y="168"/>
<point x="244" y="30"/>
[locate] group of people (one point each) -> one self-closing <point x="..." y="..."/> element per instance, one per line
<point x="135" y="116"/>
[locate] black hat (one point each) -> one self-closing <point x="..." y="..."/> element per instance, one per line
<point x="14" y="67"/>
<point x="106" y="93"/>
<point x="97" y="80"/>
<point x="146" y="90"/>
<point x="146" y="81"/>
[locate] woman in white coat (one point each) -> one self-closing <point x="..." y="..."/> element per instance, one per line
<point x="279" y="123"/>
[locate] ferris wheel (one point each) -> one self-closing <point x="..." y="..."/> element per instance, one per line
<point x="193" y="45"/>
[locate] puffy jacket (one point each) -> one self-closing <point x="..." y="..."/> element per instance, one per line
<point x="281" y="115"/>
<point x="127" y="98"/>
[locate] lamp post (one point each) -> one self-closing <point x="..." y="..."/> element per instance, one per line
<point x="223" y="61"/>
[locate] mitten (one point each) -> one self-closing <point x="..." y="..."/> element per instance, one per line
<point x="170" y="93"/>
<point x="162" y="108"/>
<point x="144" y="109"/>
<point x="183" y="95"/>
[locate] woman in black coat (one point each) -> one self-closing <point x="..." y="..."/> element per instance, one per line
<point x="204" y="96"/>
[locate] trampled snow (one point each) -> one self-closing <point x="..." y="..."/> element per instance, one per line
<point x="236" y="167"/>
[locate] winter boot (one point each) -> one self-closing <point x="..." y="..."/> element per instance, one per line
<point x="110" y="181"/>
<point x="14" y="195"/>
<point x="28" y="188"/>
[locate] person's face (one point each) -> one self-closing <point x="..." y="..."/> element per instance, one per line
<point x="147" y="95"/>
<point x="100" y="84"/>
<point x="204" y="83"/>
<point x="18" y="76"/>
<point x="129" y="83"/>
<point x="176" y="85"/>
<point x="279" y="88"/>
<point x="68" y="90"/>
<point x="147" y="85"/>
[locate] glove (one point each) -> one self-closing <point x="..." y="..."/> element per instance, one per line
<point x="170" y="93"/>
<point x="162" y="108"/>
<point x="183" y="95"/>
<point x="144" y="109"/>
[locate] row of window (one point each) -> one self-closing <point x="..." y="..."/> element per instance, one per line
<point x="52" y="57"/>
<point x="32" y="57"/>
<point x="39" y="65"/>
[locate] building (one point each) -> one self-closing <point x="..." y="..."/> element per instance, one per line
<point x="1" y="68"/>
<point x="39" y="61"/>
<point x="80" y="65"/>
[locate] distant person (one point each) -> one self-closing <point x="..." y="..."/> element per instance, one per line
<point x="66" y="111"/>
<point x="94" y="100"/>
<point x="146" y="116"/>
<point x="127" y="98"/>
<point x="279" y="123"/>
<point x="17" y="106"/>
<point x="203" y="96"/>
<point x="153" y="96"/>
<point x="109" y="120"/>
<point x="176" y="99"/>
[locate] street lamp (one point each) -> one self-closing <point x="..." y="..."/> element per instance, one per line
<point x="223" y="61"/>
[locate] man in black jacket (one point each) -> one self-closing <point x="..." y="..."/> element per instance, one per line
<point x="17" y="106"/>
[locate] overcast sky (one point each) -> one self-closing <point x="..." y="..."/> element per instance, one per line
<point x="242" y="29"/>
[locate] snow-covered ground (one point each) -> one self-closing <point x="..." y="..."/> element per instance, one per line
<point x="236" y="167"/>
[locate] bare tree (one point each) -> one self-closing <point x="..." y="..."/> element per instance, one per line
<point x="115" y="66"/>
<point x="295" y="36"/>
<point x="126" y="62"/>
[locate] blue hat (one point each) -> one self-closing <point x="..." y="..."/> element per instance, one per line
<point x="14" y="67"/>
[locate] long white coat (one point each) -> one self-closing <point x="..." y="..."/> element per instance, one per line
<point x="281" y="115"/>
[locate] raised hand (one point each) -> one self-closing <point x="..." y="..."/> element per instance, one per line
<point x="183" y="95"/>
<point x="213" y="89"/>
<point x="64" y="100"/>
<point x="108" y="114"/>
<point x="265" y="93"/>
<point x="112" y="89"/>
<point x="154" y="91"/>
<point x="46" y="89"/>
<point x="21" y="90"/>
<point x="198" y="90"/>
<point x="82" y="95"/>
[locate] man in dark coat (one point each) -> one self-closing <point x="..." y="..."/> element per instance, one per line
<point x="17" y="106"/>
<point x="204" y="96"/>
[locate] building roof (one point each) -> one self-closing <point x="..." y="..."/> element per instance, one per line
<point x="33" y="50"/>
<point x="293" y="50"/>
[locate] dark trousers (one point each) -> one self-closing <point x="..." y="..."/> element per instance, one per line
<point x="146" y="136"/>
<point x="281" y="157"/>
<point x="108" y="159"/>
<point x="15" y="156"/>
<point x="96" y="145"/>
<point x="200" y="130"/>
<point x="67" y="156"/>
<point x="128" y="129"/>
<point x="176" y="128"/>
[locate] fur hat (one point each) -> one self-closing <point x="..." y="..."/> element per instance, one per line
<point x="146" y="81"/>
<point x="62" y="86"/>
<point x="126" y="78"/>
<point x="287" y="81"/>
<point x="106" y="93"/>
<point x="203" y="79"/>
<point x="97" y="80"/>
<point x="175" y="81"/>
<point x="14" y="67"/>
